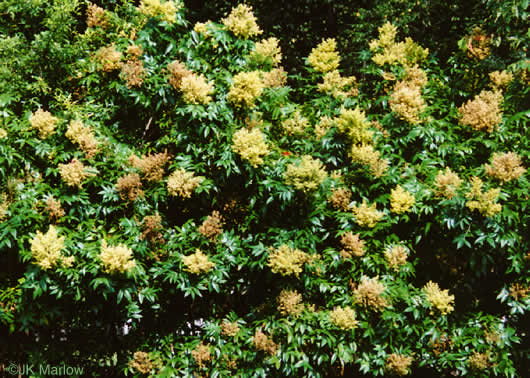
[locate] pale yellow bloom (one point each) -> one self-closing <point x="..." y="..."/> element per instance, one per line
<point x="44" y="122"/>
<point x="287" y="261"/>
<point x="484" y="202"/>
<point x="182" y="183"/>
<point x="197" y="263"/>
<point x="505" y="167"/>
<point x="335" y="85"/>
<point x="83" y="136"/>
<point x="439" y="299"/>
<point x="267" y="49"/>
<point x="202" y="27"/>
<point x="398" y="364"/>
<point x="369" y="293"/>
<point x="401" y="200"/>
<point x="242" y="22"/>
<point x="116" y="259"/>
<point x="500" y="79"/>
<point x="46" y="248"/>
<point x="166" y="10"/>
<point x="344" y="318"/>
<point x="367" y="155"/>
<point x="354" y="125"/>
<point x="247" y="87"/>
<point x="324" y="57"/>
<point x="295" y="124"/>
<point x="396" y="256"/>
<point x="250" y="145"/>
<point x="407" y="102"/>
<point x="483" y="112"/>
<point x="446" y="183"/>
<point x="290" y="303"/>
<point x="387" y="50"/>
<point x="196" y="90"/>
<point x="367" y="216"/>
<point x="74" y="173"/>
<point x="307" y="175"/>
<point x="3" y="133"/>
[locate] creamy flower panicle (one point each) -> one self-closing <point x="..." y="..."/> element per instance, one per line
<point x="242" y="22"/>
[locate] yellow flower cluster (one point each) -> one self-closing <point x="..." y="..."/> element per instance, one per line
<point x="274" y="78"/>
<point x="483" y="112"/>
<point x="44" y="122"/>
<point x="479" y="361"/>
<point x="290" y="303"/>
<point x="246" y="89"/>
<point x="478" y="44"/>
<point x="242" y="22"/>
<point x="264" y="343"/>
<point x="74" y="173"/>
<point x="367" y="155"/>
<point x="446" y="183"/>
<point x="265" y="50"/>
<point x="335" y="85"/>
<point x="202" y="27"/>
<point x="4" y="205"/>
<point x="197" y="263"/>
<point x="389" y="51"/>
<point x="229" y="328"/>
<point x="287" y="261"/>
<point x="324" y="57"/>
<point x="500" y="79"/>
<point x="196" y="90"/>
<point x="96" y="16"/>
<point x="401" y="200"/>
<point x="142" y="362"/>
<point x="83" y="136"/>
<point x="109" y="58"/>
<point x="165" y="10"/>
<point x="307" y="175"/>
<point x="296" y="124"/>
<point x="182" y="183"/>
<point x="369" y="293"/>
<point x="484" y="202"/>
<point x="505" y="167"/>
<point x="398" y="364"/>
<point x="353" y="245"/>
<point x="3" y="133"/>
<point x="46" y="249"/>
<point x="367" y="216"/>
<point x="116" y="259"/>
<point x="353" y="124"/>
<point x="323" y="126"/>
<point x="439" y="299"/>
<point x="201" y="354"/>
<point x="396" y="256"/>
<point x="250" y="145"/>
<point x="415" y="76"/>
<point x="152" y="166"/>
<point x="407" y="102"/>
<point x="344" y="318"/>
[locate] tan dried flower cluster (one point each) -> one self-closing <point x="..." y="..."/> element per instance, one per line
<point x="152" y="166"/>
<point x="176" y="72"/>
<point x="478" y="361"/>
<point x="439" y="299"/>
<point x="287" y="261"/>
<point x="142" y="362"/>
<point x="264" y="343"/>
<point x="46" y="249"/>
<point x="196" y="89"/>
<point x="134" y="73"/>
<point x="340" y="199"/>
<point x="152" y="225"/>
<point x="74" y="173"/>
<point x="130" y="187"/>
<point x="484" y="202"/>
<point x="387" y="50"/>
<point x="338" y="86"/>
<point x="242" y="22"/>
<point x="323" y="126"/>
<point x="250" y="145"/>
<point x="483" y="112"/>
<point x="109" y="58"/>
<point x="344" y="318"/>
<point x="44" y="122"/>
<point x="401" y="200"/>
<point x="202" y="355"/>
<point x="4" y="205"/>
<point x="367" y="216"/>
<point x="396" y="256"/>
<point x="324" y="57"/>
<point x="518" y="291"/>
<point x="352" y="244"/>
<point x="398" y="364"/>
<point x="505" y="167"/>
<point x="407" y="102"/>
<point x="166" y="10"/>
<point x="229" y="328"/>
<point x="274" y="78"/>
<point x="290" y="303"/>
<point x="295" y="124"/>
<point x="247" y="87"/>
<point x="197" y="263"/>
<point x="478" y="44"/>
<point x="367" y="155"/>
<point x="183" y="183"/>
<point x="447" y="182"/>
<point x="212" y="226"/>
<point x="307" y="175"/>
<point x="134" y="51"/>
<point x="415" y="76"/>
<point x="265" y="50"/>
<point x="500" y="79"/>
<point x="53" y="208"/>
<point x="83" y="136"/>
<point x="116" y="259"/>
<point x="369" y="293"/>
<point x="96" y="17"/>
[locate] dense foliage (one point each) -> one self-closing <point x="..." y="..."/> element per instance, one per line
<point x="174" y="203"/>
